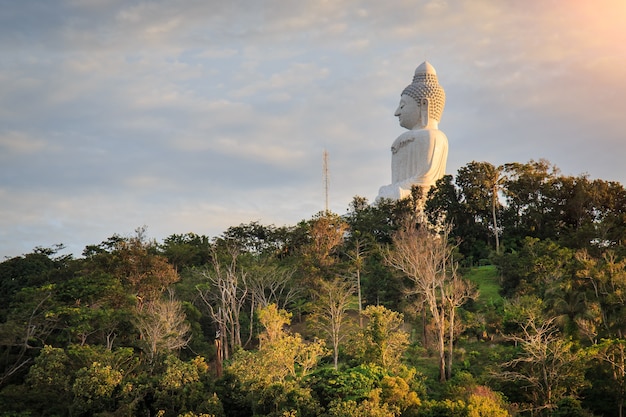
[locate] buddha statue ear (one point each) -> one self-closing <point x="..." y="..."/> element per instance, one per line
<point x="424" y="111"/>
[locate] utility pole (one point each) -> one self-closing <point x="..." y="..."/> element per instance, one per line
<point x="326" y="181"/>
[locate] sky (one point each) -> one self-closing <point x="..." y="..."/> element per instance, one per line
<point x="192" y="116"/>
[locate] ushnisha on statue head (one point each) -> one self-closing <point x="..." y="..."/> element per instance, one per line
<point x="422" y="101"/>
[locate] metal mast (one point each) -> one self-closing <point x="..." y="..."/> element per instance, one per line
<point x="326" y="180"/>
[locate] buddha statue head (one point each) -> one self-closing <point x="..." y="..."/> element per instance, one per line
<point x="422" y="101"/>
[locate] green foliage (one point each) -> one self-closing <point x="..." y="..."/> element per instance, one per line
<point x="94" y="388"/>
<point x="373" y="227"/>
<point x="569" y="407"/>
<point x="257" y="239"/>
<point x="186" y="250"/>
<point x="273" y="375"/>
<point x="184" y="386"/>
<point x="330" y="312"/>
<point x="319" y="256"/>
<point x="479" y="184"/>
<point x="91" y="308"/>
<point x="445" y="201"/>
<point x="548" y="366"/>
<point x="486" y="404"/>
<point x="444" y="408"/>
<point x="50" y="372"/>
<point x="27" y="329"/>
<point x="365" y="387"/>
<point x="234" y="395"/>
<point x="51" y="378"/>
<point x="352" y="384"/>
<point x="397" y="391"/>
<point x="382" y="341"/>
<point x="377" y="222"/>
<point x="198" y="344"/>
<point x="380" y="285"/>
<point x="30" y="270"/>
<point x="373" y="406"/>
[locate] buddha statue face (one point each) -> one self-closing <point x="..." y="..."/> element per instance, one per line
<point x="408" y="112"/>
<point x="422" y="101"/>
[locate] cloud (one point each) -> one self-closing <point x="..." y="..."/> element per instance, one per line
<point x="197" y="115"/>
<point x="19" y="143"/>
<point x="297" y="78"/>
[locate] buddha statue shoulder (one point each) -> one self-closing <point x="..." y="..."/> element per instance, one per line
<point x="419" y="155"/>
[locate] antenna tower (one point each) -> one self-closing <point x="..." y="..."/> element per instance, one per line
<point x="326" y="181"/>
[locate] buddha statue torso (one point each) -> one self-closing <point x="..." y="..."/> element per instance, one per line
<point x="418" y="156"/>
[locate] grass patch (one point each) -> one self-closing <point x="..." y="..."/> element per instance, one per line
<point x="488" y="282"/>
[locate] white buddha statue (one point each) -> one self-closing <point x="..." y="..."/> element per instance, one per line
<point x="418" y="157"/>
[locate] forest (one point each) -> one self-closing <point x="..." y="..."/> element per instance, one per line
<point x="500" y="293"/>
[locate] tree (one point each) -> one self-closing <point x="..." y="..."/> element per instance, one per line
<point x="330" y="311"/>
<point x="426" y="258"/>
<point x="371" y="228"/>
<point x="272" y="376"/>
<point x="382" y="341"/>
<point x="257" y="239"/>
<point x="181" y="387"/>
<point x="326" y="234"/>
<point x="186" y="250"/>
<point x="373" y="406"/>
<point x="94" y="388"/>
<point x="92" y="306"/>
<point x="605" y="318"/>
<point x="613" y="353"/>
<point x="224" y="294"/>
<point x="286" y="351"/>
<point x="548" y="366"/>
<point x="447" y="204"/>
<point x="529" y="190"/>
<point x="376" y="222"/>
<point x="357" y="256"/>
<point x="270" y="283"/>
<point x="27" y="329"/>
<point x="607" y="277"/>
<point x="147" y="274"/>
<point x="51" y="378"/>
<point x="457" y="292"/>
<point x="480" y="184"/>
<point x="30" y="270"/>
<point x="534" y="267"/>
<point x="366" y="390"/>
<point x="486" y="404"/>
<point x="162" y="326"/>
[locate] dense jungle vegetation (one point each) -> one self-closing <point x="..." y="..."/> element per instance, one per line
<point x="504" y="296"/>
